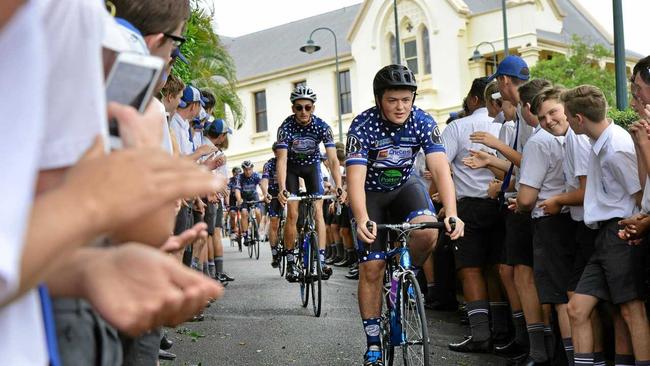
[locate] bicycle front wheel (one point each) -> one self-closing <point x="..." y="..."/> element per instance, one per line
<point x="315" y="271"/>
<point x="282" y="258"/>
<point x="303" y="269"/>
<point x="415" y="348"/>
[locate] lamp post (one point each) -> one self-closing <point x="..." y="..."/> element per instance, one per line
<point x="505" y="28"/>
<point x="619" y="56"/>
<point x="398" y="56"/>
<point x="311" y="47"/>
<point x="477" y="55"/>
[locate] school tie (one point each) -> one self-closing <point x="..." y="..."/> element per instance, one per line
<point x="50" y="326"/>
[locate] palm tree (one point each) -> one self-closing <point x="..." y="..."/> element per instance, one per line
<point x="211" y="67"/>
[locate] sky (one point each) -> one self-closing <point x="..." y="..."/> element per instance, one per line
<point x="236" y="18"/>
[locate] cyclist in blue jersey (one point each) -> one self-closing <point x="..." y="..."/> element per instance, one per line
<point x="270" y="191"/>
<point x="382" y="144"/>
<point x="231" y="201"/>
<point x="299" y="137"/>
<point x="247" y="191"/>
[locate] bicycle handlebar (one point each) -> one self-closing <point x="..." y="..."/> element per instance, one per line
<point x="406" y="226"/>
<point x="311" y="197"/>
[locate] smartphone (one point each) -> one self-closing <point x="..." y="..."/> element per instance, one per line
<point x="131" y="81"/>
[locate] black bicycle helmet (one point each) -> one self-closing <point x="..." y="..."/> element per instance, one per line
<point x="236" y="170"/>
<point x="246" y="164"/>
<point x="393" y="77"/>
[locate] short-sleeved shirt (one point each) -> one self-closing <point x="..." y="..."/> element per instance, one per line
<point x="248" y="185"/>
<point x="233" y="183"/>
<point x="270" y="172"/>
<point x="612" y="177"/>
<point x="389" y="150"/>
<point x="645" y="202"/>
<point x="468" y="182"/>
<point x="541" y="167"/>
<point x="302" y="142"/>
<point x="575" y="164"/>
<point x="181" y="129"/>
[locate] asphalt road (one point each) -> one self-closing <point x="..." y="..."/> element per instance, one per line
<point x="260" y="321"/>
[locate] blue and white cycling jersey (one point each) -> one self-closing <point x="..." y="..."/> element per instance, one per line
<point x="389" y="150"/>
<point x="270" y="172"/>
<point x="233" y="183"/>
<point x="248" y="186"/>
<point x="302" y="141"/>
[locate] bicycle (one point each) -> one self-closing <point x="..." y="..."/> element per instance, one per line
<point x="308" y="260"/>
<point x="403" y="320"/>
<point x="282" y="256"/>
<point x="253" y="231"/>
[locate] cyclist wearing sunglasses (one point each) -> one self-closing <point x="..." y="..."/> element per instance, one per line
<point x="381" y="148"/>
<point x="298" y="156"/>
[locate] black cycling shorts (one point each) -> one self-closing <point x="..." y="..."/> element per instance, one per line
<point x="343" y="220"/>
<point x="275" y="208"/>
<point x="311" y="174"/>
<point x="233" y="202"/>
<point x="399" y="205"/>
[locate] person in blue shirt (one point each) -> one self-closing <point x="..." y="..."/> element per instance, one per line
<point x="382" y="144"/>
<point x="270" y="191"/>
<point x="245" y="191"/>
<point x="299" y="137"/>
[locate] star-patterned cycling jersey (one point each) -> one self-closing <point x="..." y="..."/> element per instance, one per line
<point x="270" y="172"/>
<point x="302" y="141"/>
<point x="389" y="150"/>
<point x="248" y="186"/>
<point x="233" y="183"/>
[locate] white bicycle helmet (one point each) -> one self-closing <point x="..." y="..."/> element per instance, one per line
<point x="302" y="92"/>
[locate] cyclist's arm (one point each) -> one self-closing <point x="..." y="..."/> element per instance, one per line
<point x="281" y="166"/>
<point x="334" y="166"/>
<point x="441" y="174"/>
<point x="356" y="192"/>
<point x="264" y="184"/>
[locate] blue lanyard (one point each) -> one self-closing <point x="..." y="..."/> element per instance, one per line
<point x="50" y="326"/>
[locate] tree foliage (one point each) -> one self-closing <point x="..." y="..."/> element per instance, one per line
<point x="582" y="66"/>
<point x="211" y="67"/>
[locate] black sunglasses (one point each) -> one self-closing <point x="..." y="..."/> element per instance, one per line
<point x="177" y="40"/>
<point x="299" y="107"/>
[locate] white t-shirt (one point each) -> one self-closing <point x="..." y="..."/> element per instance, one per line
<point x="541" y="167"/>
<point x="181" y="129"/>
<point x="575" y="164"/>
<point x="22" y="74"/>
<point x="468" y="182"/>
<point x="612" y="177"/>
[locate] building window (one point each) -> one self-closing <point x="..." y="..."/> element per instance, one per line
<point x="393" y="50"/>
<point x="300" y="83"/>
<point x="426" y="53"/>
<point x="345" y="98"/>
<point x="260" y="111"/>
<point x="411" y="55"/>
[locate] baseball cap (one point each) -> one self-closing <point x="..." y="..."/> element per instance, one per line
<point x="219" y="126"/>
<point x="514" y="66"/>
<point x="122" y="36"/>
<point x="191" y="95"/>
<point x="176" y="53"/>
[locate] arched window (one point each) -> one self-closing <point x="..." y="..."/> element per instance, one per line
<point x="393" y="50"/>
<point x="426" y="53"/>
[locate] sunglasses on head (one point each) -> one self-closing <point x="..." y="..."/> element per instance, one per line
<point x="299" y="107"/>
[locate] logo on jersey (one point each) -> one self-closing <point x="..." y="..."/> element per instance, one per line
<point x="435" y="135"/>
<point x="390" y="178"/>
<point x="395" y="154"/>
<point x="303" y="146"/>
<point x="353" y="145"/>
<point x="282" y="135"/>
<point x="328" y="134"/>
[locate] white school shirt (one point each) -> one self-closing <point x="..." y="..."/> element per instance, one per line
<point x="541" y="167"/>
<point x="575" y="164"/>
<point x="468" y="182"/>
<point x="525" y="132"/>
<point x="166" y="143"/>
<point x="181" y="129"/>
<point x="645" y="202"/>
<point x="612" y="177"/>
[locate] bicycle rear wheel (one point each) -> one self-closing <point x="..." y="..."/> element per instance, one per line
<point x="315" y="272"/>
<point x="416" y="348"/>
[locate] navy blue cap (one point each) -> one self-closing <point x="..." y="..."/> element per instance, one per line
<point x="176" y="53"/>
<point x="191" y="95"/>
<point x="219" y="126"/>
<point x="514" y="66"/>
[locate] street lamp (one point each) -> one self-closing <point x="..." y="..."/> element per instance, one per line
<point x="477" y="55"/>
<point x="311" y="47"/>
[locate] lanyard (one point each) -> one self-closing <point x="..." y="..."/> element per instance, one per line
<point x="508" y="177"/>
<point x="50" y="326"/>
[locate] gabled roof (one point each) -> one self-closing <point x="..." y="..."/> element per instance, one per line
<point x="277" y="48"/>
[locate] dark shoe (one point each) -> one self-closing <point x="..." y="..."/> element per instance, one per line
<point x="526" y="361"/>
<point x="352" y="275"/>
<point x="165" y="343"/>
<point x="164" y="355"/>
<point x="327" y="272"/>
<point x="347" y="260"/>
<point x="354" y="266"/>
<point x="510" y="349"/>
<point x="292" y="273"/>
<point x="468" y="345"/>
<point x="333" y="260"/>
<point x="223" y="277"/>
<point x="275" y="263"/>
